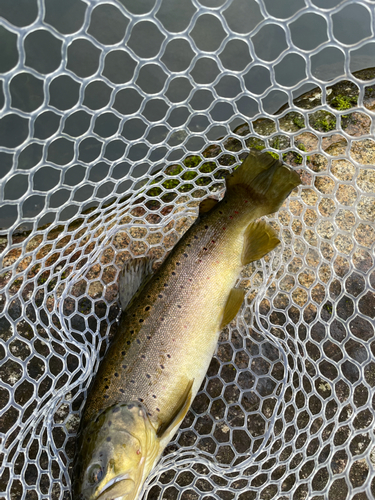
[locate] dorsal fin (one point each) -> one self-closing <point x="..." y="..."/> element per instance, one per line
<point x="132" y="278"/>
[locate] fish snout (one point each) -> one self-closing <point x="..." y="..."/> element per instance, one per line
<point x="119" y="489"/>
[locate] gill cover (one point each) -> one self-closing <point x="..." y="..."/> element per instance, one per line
<point x="115" y="454"/>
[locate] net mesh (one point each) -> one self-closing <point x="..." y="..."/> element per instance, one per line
<point x="118" y="118"/>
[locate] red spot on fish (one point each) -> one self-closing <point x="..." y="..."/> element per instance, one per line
<point x="213" y="241"/>
<point x="245" y="201"/>
<point x="224" y="228"/>
<point x="230" y="217"/>
<point x="138" y="452"/>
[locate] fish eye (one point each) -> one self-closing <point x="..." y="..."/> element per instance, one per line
<point x="95" y="474"/>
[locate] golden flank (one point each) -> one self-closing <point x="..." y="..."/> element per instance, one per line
<point x="168" y="333"/>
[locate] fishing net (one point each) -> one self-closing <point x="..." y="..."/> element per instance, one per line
<point x="118" y="118"/>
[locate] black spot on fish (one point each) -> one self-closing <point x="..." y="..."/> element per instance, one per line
<point x="138" y="341"/>
<point x="179" y="306"/>
<point x="130" y="406"/>
<point x="221" y="213"/>
<point x="115" y="409"/>
<point x="178" y="263"/>
<point x="122" y="391"/>
<point x="195" y="237"/>
<point x="206" y="227"/>
<point x="173" y="273"/>
<point x="188" y="245"/>
<point x="88" y="440"/>
<point x="143" y="356"/>
<point x="106" y="387"/>
<point x="157" y="409"/>
<point x="160" y="296"/>
<point x="105" y="380"/>
<point x="148" y="376"/>
<point x="185" y="255"/>
<point x="141" y="320"/>
<point x="205" y="249"/>
<point x="106" y="396"/>
<point x="157" y="279"/>
<point x="148" y="337"/>
<point x="109" y="423"/>
<point x="132" y="381"/>
<point x="140" y="400"/>
<point x="124" y="366"/>
<point x="133" y="315"/>
<point x="147" y="308"/>
<point x="154" y="396"/>
<point x="168" y="355"/>
<point x="116" y="374"/>
<point x="123" y="353"/>
<point x="161" y="319"/>
<point x="109" y="439"/>
<point x="128" y="342"/>
<point x="165" y="284"/>
<point x="162" y="367"/>
<point x="148" y="296"/>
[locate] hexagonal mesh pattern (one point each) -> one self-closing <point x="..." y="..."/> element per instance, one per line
<point x="118" y="118"/>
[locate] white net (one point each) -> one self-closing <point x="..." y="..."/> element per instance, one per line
<point x="118" y="118"/>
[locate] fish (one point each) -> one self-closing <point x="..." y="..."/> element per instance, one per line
<point x="168" y="332"/>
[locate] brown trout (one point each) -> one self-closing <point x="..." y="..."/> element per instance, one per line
<point x="168" y="333"/>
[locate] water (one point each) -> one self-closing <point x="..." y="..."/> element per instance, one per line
<point x="62" y="108"/>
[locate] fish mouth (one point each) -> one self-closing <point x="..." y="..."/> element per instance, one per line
<point x="118" y="488"/>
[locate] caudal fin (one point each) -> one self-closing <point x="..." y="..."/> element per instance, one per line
<point x="267" y="180"/>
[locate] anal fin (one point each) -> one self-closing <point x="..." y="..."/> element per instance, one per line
<point x="232" y="306"/>
<point x="167" y="429"/>
<point x="259" y="239"/>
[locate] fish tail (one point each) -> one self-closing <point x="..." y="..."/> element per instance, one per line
<point x="267" y="181"/>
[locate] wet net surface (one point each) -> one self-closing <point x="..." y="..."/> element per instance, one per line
<point x="118" y="118"/>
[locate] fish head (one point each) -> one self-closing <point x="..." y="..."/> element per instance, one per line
<point x="115" y="453"/>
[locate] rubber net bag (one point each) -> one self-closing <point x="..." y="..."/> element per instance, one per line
<point x="117" y="119"/>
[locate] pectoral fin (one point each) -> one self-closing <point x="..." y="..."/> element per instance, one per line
<point x="232" y="306"/>
<point x="260" y="238"/>
<point x="168" y="428"/>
